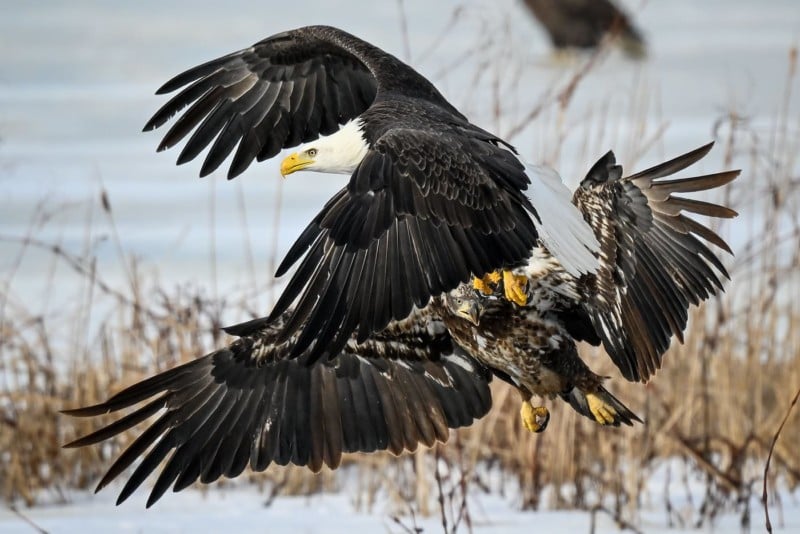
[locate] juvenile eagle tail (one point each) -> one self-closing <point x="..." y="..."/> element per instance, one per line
<point x="600" y="406"/>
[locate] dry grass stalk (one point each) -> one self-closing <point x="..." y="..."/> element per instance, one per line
<point x="712" y="409"/>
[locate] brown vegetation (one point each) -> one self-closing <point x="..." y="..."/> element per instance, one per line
<point x="712" y="410"/>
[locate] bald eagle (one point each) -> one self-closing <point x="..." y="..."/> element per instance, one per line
<point x="432" y="199"/>
<point x="367" y="348"/>
<point x="584" y="24"/>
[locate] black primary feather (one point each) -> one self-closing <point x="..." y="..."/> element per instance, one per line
<point x="251" y="403"/>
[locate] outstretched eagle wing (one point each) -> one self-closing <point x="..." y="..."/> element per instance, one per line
<point x="280" y="92"/>
<point x="654" y="260"/>
<point x="287" y="89"/>
<point x="435" y="200"/>
<point x="249" y="403"/>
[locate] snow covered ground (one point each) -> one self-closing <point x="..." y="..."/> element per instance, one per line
<point x="244" y="511"/>
<point x="242" y="508"/>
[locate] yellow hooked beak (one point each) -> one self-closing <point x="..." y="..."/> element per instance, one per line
<point x="295" y="162"/>
<point x="470" y="311"/>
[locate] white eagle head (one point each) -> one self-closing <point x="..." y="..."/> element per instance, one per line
<point x="338" y="153"/>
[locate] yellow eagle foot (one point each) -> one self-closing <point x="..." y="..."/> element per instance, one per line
<point x="487" y="283"/>
<point x="515" y="287"/>
<point x="534" y="418"/>
<point x="603" y="413"/>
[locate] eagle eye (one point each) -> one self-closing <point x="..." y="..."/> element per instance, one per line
<point x="311" y="152"/>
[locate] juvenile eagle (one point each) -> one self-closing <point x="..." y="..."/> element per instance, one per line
<point x="654" y="264"/>
<point x="357" y="354"/>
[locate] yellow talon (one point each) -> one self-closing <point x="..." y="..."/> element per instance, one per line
<point x="515" y="286"/>
<point x="534" y="418"/>
<point x="603" y="413"/>
<point x="484" y="284"/>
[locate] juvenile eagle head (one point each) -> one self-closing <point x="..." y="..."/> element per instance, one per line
<point x="465" y="303"/>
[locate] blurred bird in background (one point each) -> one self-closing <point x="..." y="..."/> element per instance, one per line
<point x="584" y="24"/>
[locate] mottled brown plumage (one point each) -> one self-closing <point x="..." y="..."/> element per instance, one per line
<point x="655" y="261"/>
<point x="653" y="265"/>
<point x="531" y="348"/>
<point x="254" y="403"/>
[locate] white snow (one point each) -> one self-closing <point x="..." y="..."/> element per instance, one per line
<point x="243" y="509"/>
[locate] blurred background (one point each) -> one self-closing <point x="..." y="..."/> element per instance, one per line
<point x="114" y="262"/>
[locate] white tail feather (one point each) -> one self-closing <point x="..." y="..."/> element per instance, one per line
<point x="562" y="229"/>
